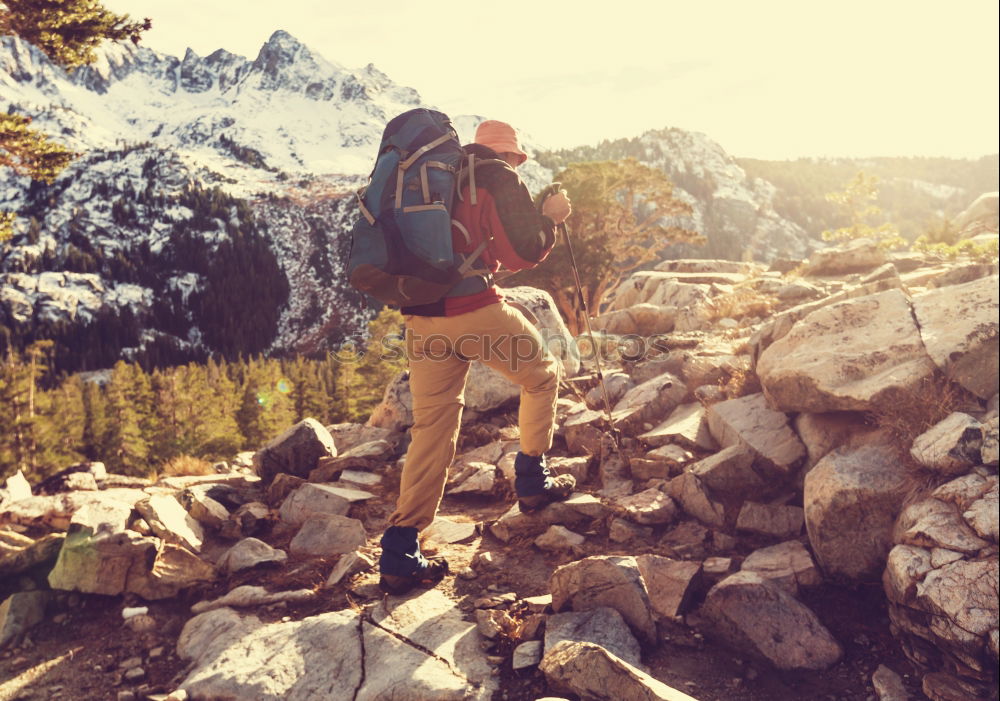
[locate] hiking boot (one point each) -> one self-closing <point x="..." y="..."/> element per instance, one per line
<point x="403" y="566"/>
<point x="534" y="485"/>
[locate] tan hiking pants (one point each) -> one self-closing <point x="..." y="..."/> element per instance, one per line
<point x="439" y="349"/>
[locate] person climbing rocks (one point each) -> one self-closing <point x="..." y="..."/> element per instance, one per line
<point x="474" y="322"/>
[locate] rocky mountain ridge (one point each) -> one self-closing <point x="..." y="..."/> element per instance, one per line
<point x="793" y="513"/>
<point x="290" y="135"/>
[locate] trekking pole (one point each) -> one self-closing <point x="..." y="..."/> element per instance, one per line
<point x="615" y="433"/>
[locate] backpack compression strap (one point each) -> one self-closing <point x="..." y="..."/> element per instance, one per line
<point x="364" y="210"/>
<point x="410" y="160"/>
<point x="423" y="149"/>
<point x="466" y="269"/>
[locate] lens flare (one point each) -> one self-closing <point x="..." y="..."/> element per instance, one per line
<point x="283" y="386"/>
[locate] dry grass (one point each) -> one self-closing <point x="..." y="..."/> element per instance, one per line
<point x="740" y="383"/>
<point x="186" y="465"/>
<point x="740" y="304"/>
<point x="913" y="411"/>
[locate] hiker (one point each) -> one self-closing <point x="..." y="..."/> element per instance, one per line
<point x="473" y="322"/>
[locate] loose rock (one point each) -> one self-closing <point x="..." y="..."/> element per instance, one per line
<point x="767" y="623"/>
<point x="592" y="672"/>
<point x="322" y="535"/>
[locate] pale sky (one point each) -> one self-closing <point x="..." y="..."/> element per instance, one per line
<point x="766" y="79"/>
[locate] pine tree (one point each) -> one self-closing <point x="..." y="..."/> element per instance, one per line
<point x="223" y="437"/>
<point x="265" y="406"/>
<point x="621" y="220"/>
<point x="383" y="359"/>
<point x="164" y="420"/>
<point x="95" y="421"/>
<point x="61" y="425"/>
<point x="206" y="427"/>
<point x="9" y="415"/>
<point x="67" y="31"/>
<point x="858" y="202"/>
<point x="19" y="444"/>
<point x="346" y="383"/>
<point x="36" y="365"/>
<point x="307" y="393"/>
<point x="127" y="395"/>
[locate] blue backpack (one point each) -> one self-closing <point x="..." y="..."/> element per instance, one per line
<point x="401" y="245"/>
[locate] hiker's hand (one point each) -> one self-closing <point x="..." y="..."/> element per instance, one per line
<point x="557" y="207"/>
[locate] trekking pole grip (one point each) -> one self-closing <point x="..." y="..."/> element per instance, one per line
<point x="545" y="194"/>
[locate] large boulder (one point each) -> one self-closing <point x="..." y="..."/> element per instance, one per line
<point x="324" y="535"/>
<point x="395" y="412"/>
<point x="312" y="499"/>
<point x="647" y="404"/>
<point x="941" y="582"/>
<point x="658" y="288"/>
<point x="778" y="325"/>
<point x="56" y="512"/>
<point x="25" y="553"/>
<point x="787" y="565"/>
<point x="730" y="471"/>
<point x="364" y="457"/>
<point x="697" y="500"/>
<point x="821" y="433"/>
<point x="752" y="423"/>
<point x="951" y="446"/>
<point x="20" y="612"/>
<point x="602" y="626"/>
<point x="649" y="507"/>
<point x="168" y="519"/>
<point x="775" y="520"/>
<point x="485" y="390"/>
<point x="641" y="320"/>
<point x="349" y="435"/>
<point x="849" y="257"/>
<point x="960" y="330"/>
<point x="851" y="499"/>
<point x="126" y="562"/>
<point x="686" y="425"/>
<point x="981" y="215"/>
<point x="591" y="672"/>
<point x="420" y="649"/>
<point x="295" y="452"/>
<point x="856" y="355"/>
<point x="766" y="622"/>
<point x="671" y="584"/>
<point x="431" y="622"/>
<point x="612" y="581"/>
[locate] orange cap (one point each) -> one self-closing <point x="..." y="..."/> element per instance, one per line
<point x="500" y="137"/>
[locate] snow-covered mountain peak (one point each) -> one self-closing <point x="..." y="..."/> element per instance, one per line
<point x="288" y="109"/>
<point x="24" y="64"/>
<point x="285" y="63"/>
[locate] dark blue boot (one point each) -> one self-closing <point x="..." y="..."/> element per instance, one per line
<point x="403" y="566"/>
<point x="534" y="485"/>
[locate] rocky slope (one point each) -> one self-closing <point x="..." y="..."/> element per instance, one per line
<point x="791" y="515"/>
